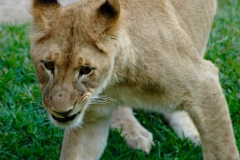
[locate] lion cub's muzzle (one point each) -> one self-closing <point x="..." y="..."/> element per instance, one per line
<point x="61" y="105"/>
<point x="60" y="102"/>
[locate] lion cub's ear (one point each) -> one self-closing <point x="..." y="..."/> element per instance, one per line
<point x="106" y="16"/>
<point x="42" y="11"/>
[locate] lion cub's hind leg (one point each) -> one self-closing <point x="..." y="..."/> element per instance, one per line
<point x="135" y="134"/>
<point x="183" y="126"/>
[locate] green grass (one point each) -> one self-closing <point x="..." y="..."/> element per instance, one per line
<point x="26" y="133"/>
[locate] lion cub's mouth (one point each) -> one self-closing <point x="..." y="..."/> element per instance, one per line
<point x="65" y="119"/>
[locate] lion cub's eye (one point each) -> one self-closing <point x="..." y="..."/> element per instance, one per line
<point x="85" y="70"/>
<point x="49" y="65"/>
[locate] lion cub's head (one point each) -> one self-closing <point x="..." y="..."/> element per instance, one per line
<point x="73" y="50"/>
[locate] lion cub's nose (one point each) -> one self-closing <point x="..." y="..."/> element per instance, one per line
<point x="61" y="102"/>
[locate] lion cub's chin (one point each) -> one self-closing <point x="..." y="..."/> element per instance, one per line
<point x="70" y="122"/>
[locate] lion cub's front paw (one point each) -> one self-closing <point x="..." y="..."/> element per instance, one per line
<point x="138" y="137"/>
<point x="134" y="133"/>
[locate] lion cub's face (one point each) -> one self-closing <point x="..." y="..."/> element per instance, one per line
<point x="73" y="51"/>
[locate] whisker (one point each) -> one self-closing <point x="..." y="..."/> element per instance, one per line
<point x="102" y="99"/>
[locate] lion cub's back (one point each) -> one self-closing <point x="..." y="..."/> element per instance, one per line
<point x="194" y="16"/>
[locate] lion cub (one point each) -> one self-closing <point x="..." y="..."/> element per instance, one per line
<point x="93" y="55"/>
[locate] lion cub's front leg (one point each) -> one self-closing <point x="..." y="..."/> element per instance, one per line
<point x="134" y="133"/>
<point x="87" y="142"/>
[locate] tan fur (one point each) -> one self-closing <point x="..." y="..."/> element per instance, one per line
<point x="147" y="54"/>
